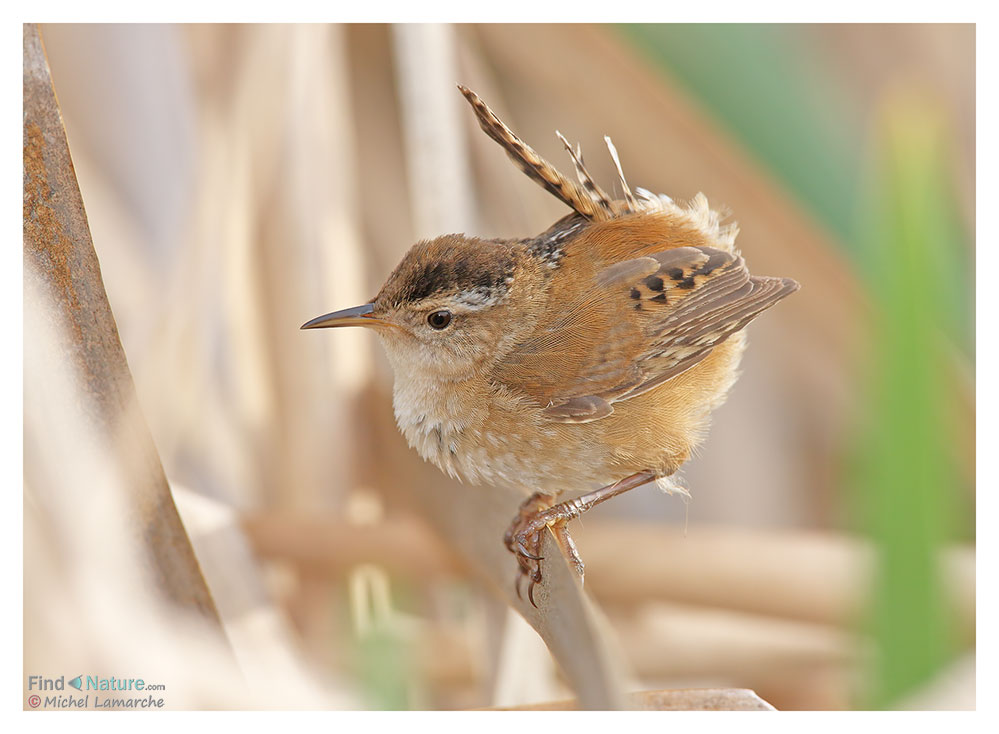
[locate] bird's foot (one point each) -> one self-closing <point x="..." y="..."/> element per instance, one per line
<point x="523" y="538"/>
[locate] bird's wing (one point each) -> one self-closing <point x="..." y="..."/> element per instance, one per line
<point x="643" y="322"/>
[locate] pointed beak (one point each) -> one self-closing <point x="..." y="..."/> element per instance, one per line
<point x="356" y="316"/>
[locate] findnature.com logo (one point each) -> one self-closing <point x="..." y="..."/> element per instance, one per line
<point x="100" y="693"/>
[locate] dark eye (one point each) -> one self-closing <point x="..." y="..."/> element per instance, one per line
<point x="439" y="319"/>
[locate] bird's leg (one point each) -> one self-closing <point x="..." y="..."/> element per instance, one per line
<point x="568" y="546"/>
<point x="523" y="537"/>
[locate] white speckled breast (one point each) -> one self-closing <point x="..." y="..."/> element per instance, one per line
<point x="471" y="441"/>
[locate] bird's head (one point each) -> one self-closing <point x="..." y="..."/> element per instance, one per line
<point x="451" y="308"/>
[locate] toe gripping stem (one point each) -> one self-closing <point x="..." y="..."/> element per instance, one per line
<point x="523" y="537"/>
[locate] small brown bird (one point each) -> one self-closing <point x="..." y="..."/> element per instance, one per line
<point x="585" y="358"/>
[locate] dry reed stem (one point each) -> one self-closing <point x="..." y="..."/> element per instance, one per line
<point x="700" y="699"/>
<point x="59" y="253"/>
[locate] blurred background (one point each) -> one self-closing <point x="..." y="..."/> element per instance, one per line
<point x="240" y="180"/>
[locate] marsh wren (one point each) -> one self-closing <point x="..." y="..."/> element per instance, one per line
<point x="586" y="358"/>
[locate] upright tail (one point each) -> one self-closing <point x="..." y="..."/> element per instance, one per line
<point x="589" y="200"/>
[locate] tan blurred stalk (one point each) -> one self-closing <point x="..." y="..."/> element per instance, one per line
<point x="65" y="297"/>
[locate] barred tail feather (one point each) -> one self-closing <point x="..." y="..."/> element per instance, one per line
<point x="536" y="167"/>
<point x="590" y="186"/>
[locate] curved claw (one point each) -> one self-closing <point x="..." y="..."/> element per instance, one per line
<point x="522" y="550"/>
<point x="530" y="593"/>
